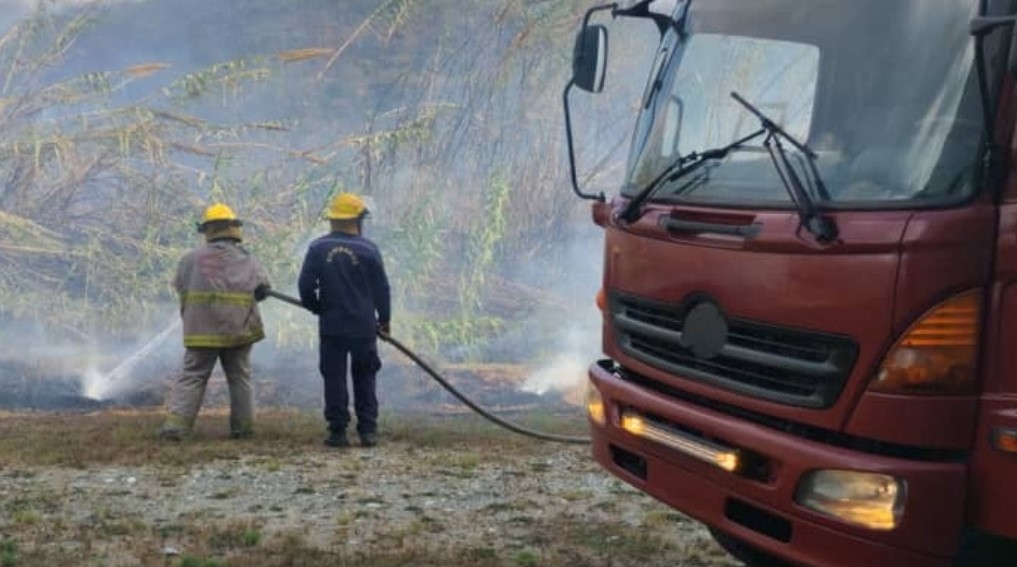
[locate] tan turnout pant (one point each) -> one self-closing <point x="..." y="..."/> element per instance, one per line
<point x="189" y="389"/>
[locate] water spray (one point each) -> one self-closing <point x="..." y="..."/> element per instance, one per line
<point x="96" y="386"/>
<point x="451" y="389"/>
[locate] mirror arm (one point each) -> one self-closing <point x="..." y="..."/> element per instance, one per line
<point x="988" y="113"/>
<point x="980" y="27"/>
<point x="983" y="25"/>
<point x="572" y="154"/>
<point x="642" y="10"/>
<point x="589" y="13"/>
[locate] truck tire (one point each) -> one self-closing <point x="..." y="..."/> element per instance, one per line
<point x="979" y="549"/>
<point x="744" y="552"/>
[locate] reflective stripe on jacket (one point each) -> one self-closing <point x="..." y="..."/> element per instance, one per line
<point x="216" y="284"/>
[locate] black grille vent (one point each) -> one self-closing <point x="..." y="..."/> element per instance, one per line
<point x="788" y="366"/>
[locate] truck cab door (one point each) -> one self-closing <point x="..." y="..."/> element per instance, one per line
<point x="993" y="468"/>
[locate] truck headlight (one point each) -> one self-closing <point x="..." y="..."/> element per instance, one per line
<point x="874" y="501"/>
<point x="595" y="405"/>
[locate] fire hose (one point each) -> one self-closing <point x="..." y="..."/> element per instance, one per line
<point x="451" y="389"/>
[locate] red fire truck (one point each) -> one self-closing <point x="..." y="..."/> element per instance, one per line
<point x="809" y="300"/>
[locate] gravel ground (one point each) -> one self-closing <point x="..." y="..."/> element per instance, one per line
<point x="97" y="489"/>
<point x="396" y="504"/>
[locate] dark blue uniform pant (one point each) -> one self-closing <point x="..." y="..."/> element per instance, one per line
<point x="364" y="364"/>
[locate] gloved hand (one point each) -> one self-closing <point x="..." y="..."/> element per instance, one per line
<point x="261" y="292"/>
<point x="384" y="329"/>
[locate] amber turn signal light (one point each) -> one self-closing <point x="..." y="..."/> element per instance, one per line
<point x="1005" y="440"/>
<point x="938" y="354"/>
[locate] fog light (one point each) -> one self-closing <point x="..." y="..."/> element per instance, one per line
<point x="595" y="405"/>
<point x="634" y="424"/>
<point x="717" y="455"/>
<point x="874" y="501"/>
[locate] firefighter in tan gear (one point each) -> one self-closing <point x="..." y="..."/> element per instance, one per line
<point x="219" y="284"/>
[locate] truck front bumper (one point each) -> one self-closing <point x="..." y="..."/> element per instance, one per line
<point x="762" y="512"/>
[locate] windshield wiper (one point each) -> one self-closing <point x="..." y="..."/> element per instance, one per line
<point x="809" y="215"/>
<point x="683" y="166"/>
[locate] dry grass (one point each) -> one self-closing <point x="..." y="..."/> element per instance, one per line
<point x="145" y="69"/>
<point x="304" y="54"/>
<point x="128" y="437"/>
<point x="101" y="194"/>
<point x="569" y="541"/>
<point x="442" y="491"/>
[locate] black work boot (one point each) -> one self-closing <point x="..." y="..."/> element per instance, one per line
<point x="368" y="439"/>
<point x="337" y="439"/>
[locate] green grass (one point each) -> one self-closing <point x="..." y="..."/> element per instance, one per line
<point x="234" y="536"/>
<point x="250" y="538"/>
<point x="8" y="553"/>
<point x="527" y="559"/>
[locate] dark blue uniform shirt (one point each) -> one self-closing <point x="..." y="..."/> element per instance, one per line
<point x="343" y="281"/>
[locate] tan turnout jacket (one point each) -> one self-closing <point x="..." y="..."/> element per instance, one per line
<point x="216" y="284"/>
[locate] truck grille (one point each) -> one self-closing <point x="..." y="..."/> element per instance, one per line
<point x="788" y="366"/>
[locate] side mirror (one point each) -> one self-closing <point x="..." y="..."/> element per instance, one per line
<point x="589" y="58"/>
<point x="589" y="63"/>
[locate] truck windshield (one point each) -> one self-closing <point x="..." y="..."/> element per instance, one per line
<point x="883" y="90"/>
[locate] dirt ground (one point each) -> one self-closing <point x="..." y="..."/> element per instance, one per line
<point x="98" y="489"/>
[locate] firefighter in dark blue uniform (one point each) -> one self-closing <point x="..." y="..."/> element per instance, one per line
<point x="343" y="282"/>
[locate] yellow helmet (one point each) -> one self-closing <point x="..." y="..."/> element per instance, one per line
<point x="218" y="212"/>
<point x="346" y="206"/>
<point x="218" y="221"/>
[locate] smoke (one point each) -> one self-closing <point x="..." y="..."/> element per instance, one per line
<point x="568" y="335"/>
<point x="13" y="11"/>
<point x="41" y="369"/>
<point x="566" y="371"/>
<point x="429" y="136"/>
<point x="562" y="340"/>
<point x="23" y="7"/>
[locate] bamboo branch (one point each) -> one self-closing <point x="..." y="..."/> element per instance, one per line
<point x="349" y="41"/>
